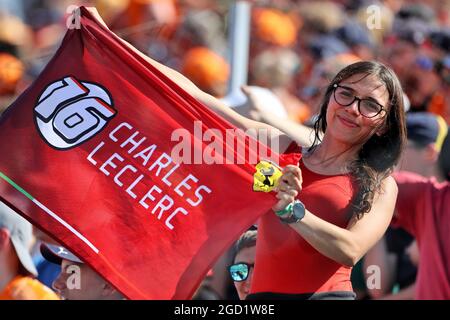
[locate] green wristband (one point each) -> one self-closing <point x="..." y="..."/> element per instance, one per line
<point x="288" y="209"/>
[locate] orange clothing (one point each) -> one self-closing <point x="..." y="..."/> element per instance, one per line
<point x="27" y="288"/>
<point x="438" y="105"/>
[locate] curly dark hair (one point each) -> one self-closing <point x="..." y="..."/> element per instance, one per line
<point x="379" y="153"/>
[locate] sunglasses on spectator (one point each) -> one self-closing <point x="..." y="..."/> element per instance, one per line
<point x="240" y="271"/>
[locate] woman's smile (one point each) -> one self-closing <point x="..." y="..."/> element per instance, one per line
<point x="347" y="122"/>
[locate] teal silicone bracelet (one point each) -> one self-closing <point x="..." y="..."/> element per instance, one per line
<point x="288" y="209"/>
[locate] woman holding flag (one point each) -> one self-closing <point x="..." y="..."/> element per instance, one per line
<point x="338" y="202"/>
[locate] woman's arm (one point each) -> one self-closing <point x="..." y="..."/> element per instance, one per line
<point x="346" y="246"/>
<point x="303" y="135"/>
<point x="219" y="107"/>
<point x="213" y="103"/>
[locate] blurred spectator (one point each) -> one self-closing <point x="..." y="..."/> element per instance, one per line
<point x="327" y="46"/>
<point x="358" y="39"/>
<point x="321" y="17"/>
<point x="207" y="70"/>
<point x="241" y="270"/>
<point x="416" y="11"/>
<point x="17" y="271"/>
<point x="206" y="291"/>
<point x="322" y="74"/>
<point x="426" y="133"/>
<point x="397" y="253"/>
<point x="386" y="19"/>
<point x="423" y="210"/>
<point x="14" y="35"/>
<point x="11" y="72"/>
<point x="77" y="281"/>
<point x="274" y="27"/>
<point x="275" y="69"/>
<point x="47" y="271"/>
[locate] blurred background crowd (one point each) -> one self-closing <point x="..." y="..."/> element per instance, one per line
<point x="296" y="48"/>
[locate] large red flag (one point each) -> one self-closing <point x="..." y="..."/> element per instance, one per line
<point x="87" y="157"/>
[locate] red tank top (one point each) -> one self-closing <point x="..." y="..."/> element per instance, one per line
<point x="285" y="262"/>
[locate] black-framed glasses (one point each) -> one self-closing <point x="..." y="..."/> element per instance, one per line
<point x="239" y="271"/>
<point x="366" y="107"/>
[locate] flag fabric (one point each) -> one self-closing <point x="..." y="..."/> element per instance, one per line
<point x="87" y="157"/>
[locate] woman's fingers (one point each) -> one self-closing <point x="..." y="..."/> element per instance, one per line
<point x="293" y="169"/>
<point x="289" y="181"/>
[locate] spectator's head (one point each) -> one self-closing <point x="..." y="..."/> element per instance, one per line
<point x="417" y="12"/>
<point x="207" y="70"/>
<point x="374" y="127"/>
<point x="440" y="39"/>
<point x="327" y="46"/>
<point x="14" y="34"/>
<point x="241" y="270"/>
<point x="275" y="68"/>
<point x="274" y="27"/>
<point x="426" y="134"/>
<point x="321" y="16"/>
<point x="380" y="27"/>
<point x="11" y="71"/>
<point x="15" y="241"/>
<point x="77" y="281"/>
<point x="421" y="82"/>
<point x="358" y="38"/>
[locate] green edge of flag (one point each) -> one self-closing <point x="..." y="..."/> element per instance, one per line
<point x="15" y="185"/>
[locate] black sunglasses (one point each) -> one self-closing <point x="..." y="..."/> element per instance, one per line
<point x="366" y="107"/>
<point x="239" y="271"/>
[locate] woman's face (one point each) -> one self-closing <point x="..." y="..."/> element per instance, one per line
<point x="344" y="123"/>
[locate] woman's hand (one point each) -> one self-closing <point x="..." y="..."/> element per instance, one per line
<point x="289" y="186"/>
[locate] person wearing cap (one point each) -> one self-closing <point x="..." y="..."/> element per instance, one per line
<point x="17" y="271"/>
<point x="423" y="202"/>
<point x="426" y="133"/>
<point x="88" y="286"/>
<point x="206" y="69"/>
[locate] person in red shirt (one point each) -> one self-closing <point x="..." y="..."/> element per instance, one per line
<point x="423" y="209"/>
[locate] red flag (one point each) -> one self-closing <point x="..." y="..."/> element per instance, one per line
<point x="87" y="157"/>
